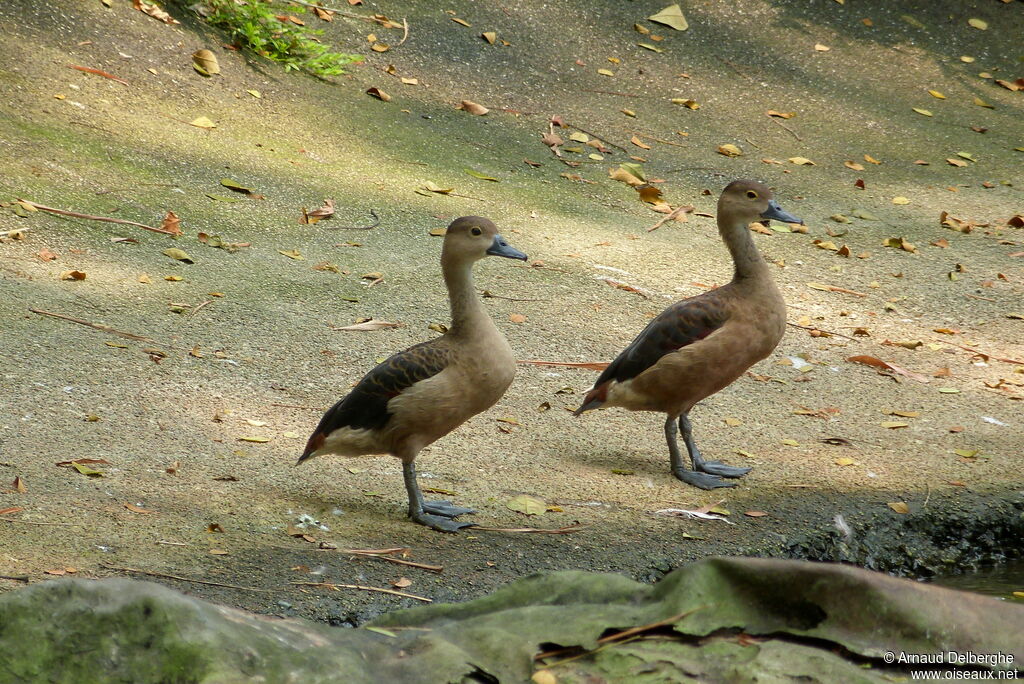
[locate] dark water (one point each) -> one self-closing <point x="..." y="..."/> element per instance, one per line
<point x="999" y="581"/>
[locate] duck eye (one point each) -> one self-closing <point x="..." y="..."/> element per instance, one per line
<point x="751" y="194"/>
<point x="476" y="231"/>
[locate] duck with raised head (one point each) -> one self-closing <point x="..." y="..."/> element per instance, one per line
<point x="699" y="345"/>
<point x="419" y="395"/>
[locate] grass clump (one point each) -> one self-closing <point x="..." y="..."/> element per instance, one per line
<point x="254" y="24"/>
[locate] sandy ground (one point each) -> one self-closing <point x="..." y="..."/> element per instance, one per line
<point x="261" y="359"/>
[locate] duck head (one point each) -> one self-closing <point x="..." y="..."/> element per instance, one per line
<point x="472" y="238"/>
<point x="750" y="201"/>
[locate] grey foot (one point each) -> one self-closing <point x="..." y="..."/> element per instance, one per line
<point x="439" y="523"/>
<point x="702" y="480"/>
<point x="719" y="468"/>
<point x="445" y="508"/>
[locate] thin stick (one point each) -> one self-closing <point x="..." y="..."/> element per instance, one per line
<point x="405" y="32"/>
<point x="829" y="332"/>
<point x="104" y="74"/>
<point x="595" y="135"/>
<point x="974" y="296"/>
<point x="399" y="561"/>
<point x="196" y="310"/>
<point x="928" y="495"/>
<point x="596" y="365"/>
<point x="791" y="131"/>
<point x="331" y="585"/>
<point x="299" y="406"/>
<point x="183" y="579"/>
<point x="36" y="522"/>
<point x="609" y="92"/>
<point x="75" y="214"/>
<point x="97" y="326"/>
<point x="569" y="529"/>
<point x="991" y="356"/>
<point x="625" y="634"/>
<point x="488" y="295"/>
<point x="16" y="578"/>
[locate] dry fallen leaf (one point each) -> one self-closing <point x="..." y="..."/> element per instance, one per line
<point x="379" y="94"/>
<point x="372" y="324"/>
<point x="472" y="108"/>
<point x="671" y="16"/>
<point x="729" y="150"/>
<point x="517" y="318"/>
<point x="205" y="62"/>
<point x="73" y="275"/>
<point x="529" y="505"/>
<point x="900" y="507"/>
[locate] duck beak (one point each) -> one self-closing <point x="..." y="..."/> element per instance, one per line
<point x="501" y="248"/>
<point x="774" y="211"/>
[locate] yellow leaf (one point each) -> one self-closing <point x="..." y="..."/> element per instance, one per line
<point x="922" y="112"/>
<point x="472" y="108"/>
<point x="729" y="150"/>
<point x="579" y="137"/>
<point x="966" y="59"/>
<point x="733" y="422"/>
<point x="844" y="461"/>
<point x="936" y="93"/>
<point x="821" y="48"/>
<point x="981" y="103"/>
<point x="689" y="104"/>
<point x="900" y="507"/>
<point x="801" y="161"/>
<point x="606" y="72"/>
<point x="871" y="160"/>
<point x="853" y="165"/>
<point x="967" y="453"/>
<point x="258" y="440"/>
<point x="489" y="36"/>
<point x="900" y="200"/>
<point x="671" y="16"/>
<point x="463" y="22"/>
<point x="524" y="503"/>
<point x="893" y="424"/>
<point x="203" y="122"/>
<point x="979" y="24"/>
<point x="291" y="254"/>
<point x="790" y="442"/>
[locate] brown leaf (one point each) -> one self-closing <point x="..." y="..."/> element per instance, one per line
<point x="853" y="165"/>
<point x="19" y="485"/>
<point x="517" y="318"/>
<point x="72" y="275"/>
<point x="639" y="143"/>
<point x="401" y="583"/>
<point x="900" y="507"/>
<point x="755" y="514"/>
<point x="171" y="224"/>
<point x="135" y="509"/>
<point x="46" y="255"/>
<point x="729" y="150"/>
<point x="11" y="509"/>
<point x="781" y="115"/>
<point x="379" y="94"/>
<point x="878" y="363"/>
<point x="650" y="194"/>
<point x="324" y="212"/>
<point x="472" y="108"/>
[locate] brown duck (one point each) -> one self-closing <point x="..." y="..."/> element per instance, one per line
<point x="700" y="345"/>
<point x="421" y="394"/>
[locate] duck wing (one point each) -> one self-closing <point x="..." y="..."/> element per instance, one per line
<point x="366" y="406"/>
<point x="681" y="324"/>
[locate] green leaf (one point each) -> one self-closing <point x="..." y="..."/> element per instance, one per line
<point x="524" y="503"/>
<point x="671" y="16"/>
<point x="234" y="185"/>
<point x="481" y="176"/>
<point x="86" y="470"/>
<point x="178" y="254"/>
<point x="648" y="46"/>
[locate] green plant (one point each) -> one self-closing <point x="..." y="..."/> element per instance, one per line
<point x="254" y="24"/>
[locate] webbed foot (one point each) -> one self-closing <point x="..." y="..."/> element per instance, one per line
<point x="702" y="480"/>
<point x="445" y="508"/>
<point x="439" y="523"/>
<point x="721" y="469"/>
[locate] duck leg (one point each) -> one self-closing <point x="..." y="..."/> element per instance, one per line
<point x="691" y="477"/>
<point x="433" y="514"/>
<point x="712" y="467"/>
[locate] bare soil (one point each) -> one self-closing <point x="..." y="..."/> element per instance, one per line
<point x="260" y="358"/>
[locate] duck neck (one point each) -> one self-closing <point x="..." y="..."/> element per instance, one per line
<point x="746" y="258"/>
<point x="467" y="310"/>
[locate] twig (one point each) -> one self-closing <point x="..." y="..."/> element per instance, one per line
<point x="991" y="356"/>
<point x="97" y="326"/>
<point x="609" y="92"/>
<point x="376" y="222"/>
<point x="597" y="365"/>
<point x="298" y="406"/>
<point x="196" y="310"/>
<point x="974" y="296"/>
<point x="332" y="585"/>
<point x="620" y="636"/>
<point x="828" y="332"/>
<point x="791" y="131"/>
<point x="595" y="135"/>
<point x="104" y="74"/>
<point x="486" y="294"/>
<point x="568" y="529"/>
<point x="405" y="32"/>
<point x="37" y="522"/>
<point x="343" y="13"/>
<point x="75" y="214"/>
<point x="928" y="495"/>
<point x="399" y="561"/>
<point x="183" y="579"/>
<point x="16" y="578"/>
